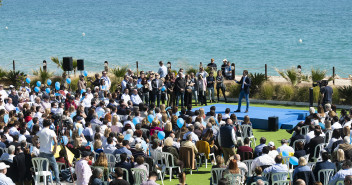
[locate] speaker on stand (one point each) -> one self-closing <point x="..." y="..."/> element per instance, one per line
<point x="273" y="123"/>
<point x="67" y="66"/>
<point x="80" y="65"/>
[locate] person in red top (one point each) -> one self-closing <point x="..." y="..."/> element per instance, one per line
<point x="155" y="127"/>
<point x="245" y="148"/>
<point x="70" y="101"/>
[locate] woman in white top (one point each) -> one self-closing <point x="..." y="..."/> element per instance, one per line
<point x="336" y="135"/>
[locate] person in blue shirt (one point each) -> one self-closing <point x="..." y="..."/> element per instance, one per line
<point x="124" y="149"/>
<point x="277" y="168"/>
<point x="325" y="164"/>
<point x="258" y="149"/>
<point x="302" y="166"/>
<point x="345" y="171"/>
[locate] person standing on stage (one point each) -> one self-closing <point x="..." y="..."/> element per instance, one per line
<point x="245" y="83"/>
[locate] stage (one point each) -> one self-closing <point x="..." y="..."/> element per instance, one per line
<point x="288" y="118"/>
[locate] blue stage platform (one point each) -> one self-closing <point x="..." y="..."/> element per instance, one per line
<point x="288" y="118"/>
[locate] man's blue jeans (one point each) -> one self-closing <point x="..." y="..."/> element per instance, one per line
<point x="180" y="95"/>
<point x="53" y="164"/>
<point x="246" y="95"/>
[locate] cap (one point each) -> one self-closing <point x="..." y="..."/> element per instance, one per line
<point x="3" y="166"/>
<point x="271" y="144"/>
<point x="85" y="153"/>
<point x="11" y="86"/>
<point x="225" y="60"/>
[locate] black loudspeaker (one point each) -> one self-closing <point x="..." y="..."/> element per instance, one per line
<point x="273" y="123"/>
<point x="67" y="64"/>
<point x="80" y="65"/>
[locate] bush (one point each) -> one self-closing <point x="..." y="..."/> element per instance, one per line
<point x="119" y="72"/>
<point x="42" y="75"/>
<point x="191" y="70"/>
<point x="335" y="96"/>
<point x="285" y="92"/>
<point x="290" y="75"/>
<point x="346" y="94"/>
<point x="301" y="94"/>
<point x="316" y="94"/>
<point x="318" y="75"/>
<point x="257" y="81"/>
<point x="267" y="91"/>
<point x="233" y="90"/>
<point x="16" y="77"/>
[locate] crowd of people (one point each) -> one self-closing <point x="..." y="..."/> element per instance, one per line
<point x="143" y="120"/>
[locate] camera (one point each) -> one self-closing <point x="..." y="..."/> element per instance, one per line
<point x="320" y="83"/>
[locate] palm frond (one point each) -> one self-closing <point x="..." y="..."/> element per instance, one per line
<point x="318" y="75"/>
<point x="42" y="75"/>
<point x="119" y="71"/>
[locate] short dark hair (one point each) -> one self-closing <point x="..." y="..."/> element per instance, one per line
<point x="258" y="170"/>
<point x="109" y="140"/>
<point x="46" y="123"/>
<point x="223" y="181"/>
<point x="266" y="150"/>
<point x="262" y="140"/>
<point x="125" y="142"/>
<point x="278" y="159"/>
<point x="325" y="156"/>
<point x="153" y="174"/>
<point x="246" y="140"/>
<point x="119" y="172"/>
<point x="123" y="157"/>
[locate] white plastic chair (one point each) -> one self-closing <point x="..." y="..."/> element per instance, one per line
<point x="281" y="182"/>
<point x="280" y="176"/>
<point x="317" y="155"/>
<point x="328" y="136"/>
<point x="61" y="166"/>
<point x="139" y="175"/>
<point x="111" y="161"/>
<point x="117" y="158"/>
<point x="249" y="167"/>
<point x="340" y="182"/>
<point x="103" y="169"/>
<point x="202" y="155"/>
<point x="234" y="179"/>
<point x="214" y="159"/>
<point x="245" y="129"/>
<point x="166" y="157"/>
<point x="41" y="169"/>
<point x="311" y="165"/>
<point x="125" y="171"/>
<point x="216" y="174"/>
<point x="327" y="173"/>
<point x="297" y="141"/>
<point x="304" y="130"/>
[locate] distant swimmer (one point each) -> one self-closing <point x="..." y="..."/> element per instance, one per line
<point x="83" y="34"/>
<point x="6" y="27"/>
<point x="300" y="40"/>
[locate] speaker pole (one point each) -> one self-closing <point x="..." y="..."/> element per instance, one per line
<point x="311" y="98"/>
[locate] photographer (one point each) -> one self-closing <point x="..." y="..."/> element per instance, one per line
<point x="325" y="93"/>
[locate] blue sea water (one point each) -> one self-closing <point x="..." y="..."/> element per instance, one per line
<point x="249" y="33"/>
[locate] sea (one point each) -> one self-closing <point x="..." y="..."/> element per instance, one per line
<point x="250" y="33"/>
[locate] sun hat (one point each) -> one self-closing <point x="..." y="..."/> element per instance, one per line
<point x="271" y="144"/>
<point x="3" y="166"/>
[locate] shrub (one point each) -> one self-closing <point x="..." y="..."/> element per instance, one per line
<point x="285" y="92"/>
<point x="301" y="94"/>
<point x="16" y="77"/>
<point x="257" y="81"/>
<point x="317" y="75"/>
<point x="336" y="96"/>
<point x="42" y="75"/>
<point x="191" y="70"/>
<point x="3" y="73"/>
<point x="290" y="75"/>
<point x="345" y="93"/>
<point x="267" y="91"/>
<point x="316" y="94"/>
<point x="119" y="72"/>
<point x="233" y="90"/>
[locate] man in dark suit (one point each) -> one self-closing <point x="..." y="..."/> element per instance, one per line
<point x="180" y="86"/>
<point x="296" y="136"/>
<point x="245" y="83"/>
<point x="126" y="165"/>
<point x="156" y="89"/>
<point x="310" y="147"/>
<point x="325" y="164"/>
<point x="189" y="111"/>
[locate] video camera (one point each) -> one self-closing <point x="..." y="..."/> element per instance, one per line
<point x="320" y="83"/>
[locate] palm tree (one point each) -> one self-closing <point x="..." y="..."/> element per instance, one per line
<point x="43" y="75"/>
<point x="290" y="75"/>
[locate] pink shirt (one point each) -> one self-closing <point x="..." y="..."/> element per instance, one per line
<point x="83" y="172"/>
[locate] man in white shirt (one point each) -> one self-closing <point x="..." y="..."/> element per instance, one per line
<point x="110" y="147"/>
<point x="311" y="135"/>
<point x="336" y="124"/>
<point x="202" y="72"/>
<point x="162" y="70"/>
<point x="263" y="160"/>
<point x="106" y="79"/>
<point x="9" y="106"/>
<point x="284" y="147"/>
<point x="3" y="178"/>
<point x="83" y="170"/>
<point x="125" y="96"/>
<point x="194" y="136"/>
<point x="46" y="137"/>
<point x="3" y="93"/>
<point x="136" y="99"/>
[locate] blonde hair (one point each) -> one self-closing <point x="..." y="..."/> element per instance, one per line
<point x="102" y="160"/>
<point x="302" y="161"/>
<point x="168" y="126"/>
<point x="77" y="142"/>
<point x="212" y="121"/>
<point x="164" y="117"/>
<point x="340" y="155"/>
<point x="71" y="109"/>
<point x="201" y="112"/>
<point x="97" y="144"/>
<point x="115" y="119"/>
<point x="162" y="108"/>
<point x="155" y="123"/>
<point x="107" y="132"/>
